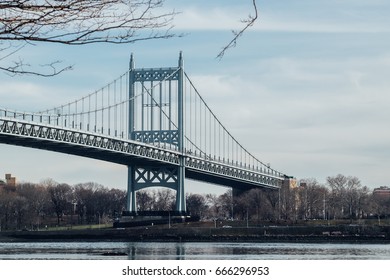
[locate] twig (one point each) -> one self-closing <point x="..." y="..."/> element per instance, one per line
<point x="248" y="23"/>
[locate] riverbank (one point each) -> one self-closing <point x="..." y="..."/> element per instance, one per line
<point x="301" y="234"/>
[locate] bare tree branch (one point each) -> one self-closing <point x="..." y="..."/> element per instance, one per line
<point x="19" y="68"/>
<point x="78" y="22"/>
<point x="82" y="22"/>
<point x="236" y="34"/>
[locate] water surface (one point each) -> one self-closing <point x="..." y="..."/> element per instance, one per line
<point x="191" y="251"/>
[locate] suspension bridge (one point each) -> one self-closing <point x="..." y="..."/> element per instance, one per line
<point x="156" y="123"/>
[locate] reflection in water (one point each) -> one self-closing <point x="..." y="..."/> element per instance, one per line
<point x="270" y="251"/>
<point x="132" y="251"/>
<point x="180" y="251"/>
<point x="156" y="251"/>
<point x="192" y="251"/>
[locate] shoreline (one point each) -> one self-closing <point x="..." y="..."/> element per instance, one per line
<point x="298" y="234"/>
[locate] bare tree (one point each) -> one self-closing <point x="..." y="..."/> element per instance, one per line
<point x="363" y="202"/>
<point x="164" y="199"/>
<point x="227" y="201"/>
<point x="311" y="197"/>
<point x="76" y="22"/>
<point x="60" y="197"/>
<point x="214" y="206"/>
<point x="348" y="198"/>
<point x="352" y="196"/>
<point x="196" y="205"/>
<point x="8" y="199"/>
<point x="37" y="201"/>
<point x="337" y="186"/>
<point x="83" y="201"/>
<point x="379" y="206"/>
<point x="288" y="203"/>
<point x="117" y="202"/>
<point x="145" y="200"/>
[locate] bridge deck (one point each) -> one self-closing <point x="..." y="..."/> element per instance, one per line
<point x="121" y="151"/>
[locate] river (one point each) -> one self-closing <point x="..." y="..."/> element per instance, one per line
<point x="190" y="251"/>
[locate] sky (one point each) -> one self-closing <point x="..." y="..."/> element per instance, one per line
<point x="305" y="89"/>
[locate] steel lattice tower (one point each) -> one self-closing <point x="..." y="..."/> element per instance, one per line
<point x="157" y="118"/>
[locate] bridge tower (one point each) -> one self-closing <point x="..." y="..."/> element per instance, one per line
<point x="156" y="116"/>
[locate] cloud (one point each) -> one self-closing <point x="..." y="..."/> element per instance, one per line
<point x="329" y="18"/>
<point x="30" y="97"/>
<point x="20" y="95"/>
<point x="304" y="114"/>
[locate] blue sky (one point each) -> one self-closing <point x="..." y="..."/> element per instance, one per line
<point x="305" y="89"/>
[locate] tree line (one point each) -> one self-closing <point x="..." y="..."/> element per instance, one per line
<point x="35" y="206"/>
<point x="49" y="203"/>
<point x="341" y="197"/>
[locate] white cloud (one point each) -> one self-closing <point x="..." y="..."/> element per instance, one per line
<point x="304" y="115"/>
<point x="271" y="19"/>
<point x="30" y="97"/>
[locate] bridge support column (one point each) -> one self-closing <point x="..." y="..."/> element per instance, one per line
<point x="131" y="204"/>
<point x="180" y="198"/>
<point x="144" y="176"/>
<point x="180" y="191"/>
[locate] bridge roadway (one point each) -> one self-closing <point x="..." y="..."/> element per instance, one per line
<point x="121" y="151"/>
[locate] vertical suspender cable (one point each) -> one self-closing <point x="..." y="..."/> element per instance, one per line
<point x="89" y="112"/>
<point x="121" y="102"/>
<point x="160" y="107"/>
<point x="151" y="105"/>
<point x="96" y="102"/>
<point x="115" y="111"/>
<point x="102" y="112"/>
<point x="108" y="111"/>
<point x="142" y="106"/>
<point x="169" y="109"/>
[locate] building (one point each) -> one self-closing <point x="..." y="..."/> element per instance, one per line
<point x="382" y="192"/>
<point x="289" y="183"/>
<point x="9" y="181"/>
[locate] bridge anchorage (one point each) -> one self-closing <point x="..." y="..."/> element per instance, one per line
<point x="153" y="121"/>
